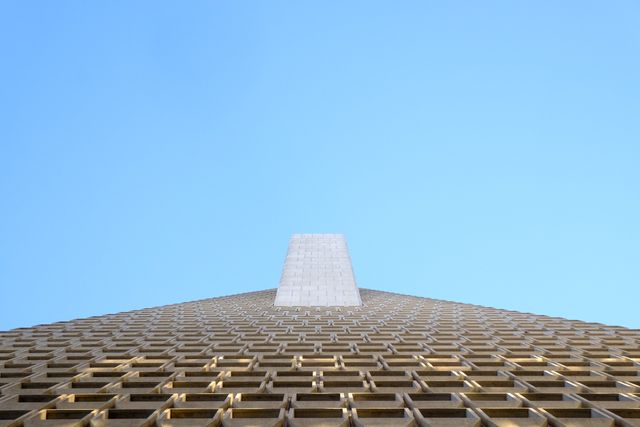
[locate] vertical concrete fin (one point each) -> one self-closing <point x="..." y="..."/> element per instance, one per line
<point x="317" y="272"/>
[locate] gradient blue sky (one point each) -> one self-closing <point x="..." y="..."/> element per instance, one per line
<point x="159" y="152"/>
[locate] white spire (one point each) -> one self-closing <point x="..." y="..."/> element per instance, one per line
<point x="317" y="272"/>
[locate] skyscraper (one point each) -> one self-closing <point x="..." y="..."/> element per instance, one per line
<point x="301" y="356"/>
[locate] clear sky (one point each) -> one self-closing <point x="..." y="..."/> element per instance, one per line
<point x="159" y="152"/>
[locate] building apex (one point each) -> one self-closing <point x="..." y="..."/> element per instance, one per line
<point x="317" y="272"/>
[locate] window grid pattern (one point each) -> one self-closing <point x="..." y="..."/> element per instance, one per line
<point x="395" y="360"/>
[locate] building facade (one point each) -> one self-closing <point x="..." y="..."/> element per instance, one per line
<point x="390" y="360"/>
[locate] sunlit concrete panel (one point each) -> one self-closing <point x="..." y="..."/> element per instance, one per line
<point x="318" y="272"/>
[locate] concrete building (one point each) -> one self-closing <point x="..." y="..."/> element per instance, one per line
<point x="381" y="359"/>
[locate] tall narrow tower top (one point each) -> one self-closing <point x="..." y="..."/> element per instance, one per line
<point x="317" y="272"/>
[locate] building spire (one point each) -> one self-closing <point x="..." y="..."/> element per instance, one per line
<point x="317" y="272"/>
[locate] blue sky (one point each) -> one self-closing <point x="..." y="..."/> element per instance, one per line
<point x="159" y="152"/>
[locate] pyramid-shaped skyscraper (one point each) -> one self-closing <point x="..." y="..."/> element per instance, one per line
<point x="318" y="351"/>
